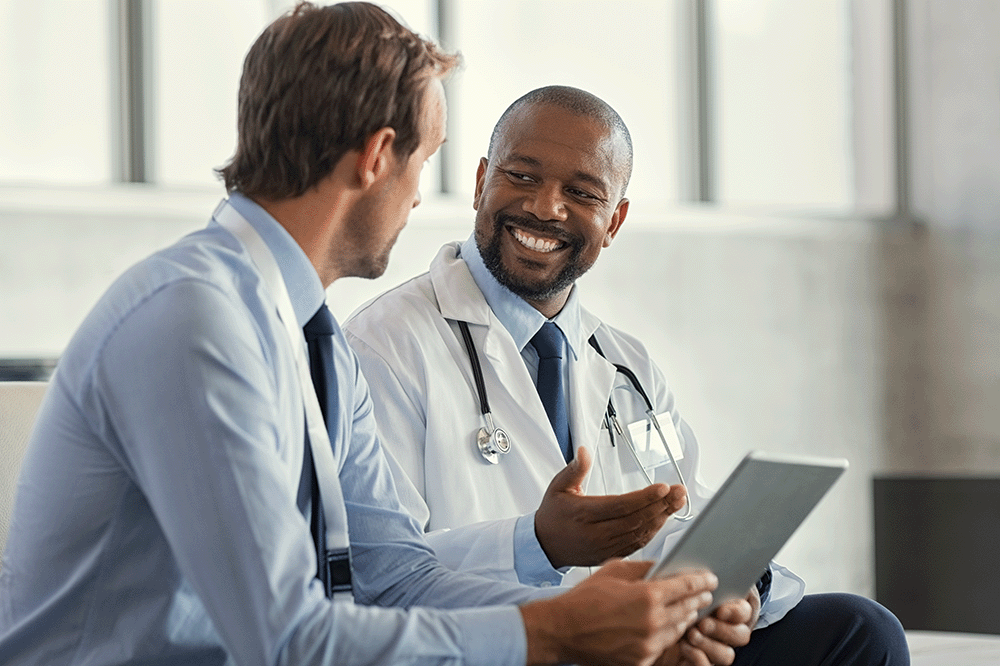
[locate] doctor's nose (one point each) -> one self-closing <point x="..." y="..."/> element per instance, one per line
<point x="546" y="203"/>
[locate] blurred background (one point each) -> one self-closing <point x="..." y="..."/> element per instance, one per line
<point x="811" y="253"/>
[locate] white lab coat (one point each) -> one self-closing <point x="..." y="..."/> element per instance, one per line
<point x="416" y="364"/>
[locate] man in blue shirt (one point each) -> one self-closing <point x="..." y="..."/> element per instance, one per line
<point x="163" y="511"/>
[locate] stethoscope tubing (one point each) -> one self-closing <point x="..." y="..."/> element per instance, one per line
<point x="477" y="368"/>
<point x="612" y="416"/>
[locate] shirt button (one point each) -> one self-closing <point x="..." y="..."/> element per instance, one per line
<point x="545" y="583"/>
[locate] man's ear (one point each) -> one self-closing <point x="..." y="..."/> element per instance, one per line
<point x="480" y="180"/>
<point x="376" y="156"/>
<point x="617" y="220"/>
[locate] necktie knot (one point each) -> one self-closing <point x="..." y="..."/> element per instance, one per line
<point x="548" y="341"/>
<point x="321" y="324"/>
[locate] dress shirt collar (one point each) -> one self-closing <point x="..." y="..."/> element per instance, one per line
<point x="301" y="279"/>
<point x="520" y="319"/>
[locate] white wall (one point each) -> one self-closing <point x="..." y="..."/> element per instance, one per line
<point x="943" y="411"/>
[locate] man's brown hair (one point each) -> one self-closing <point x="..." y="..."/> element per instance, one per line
<point x="317" y="83"/>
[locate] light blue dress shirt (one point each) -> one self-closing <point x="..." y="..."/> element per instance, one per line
<point x="156" y="520"/>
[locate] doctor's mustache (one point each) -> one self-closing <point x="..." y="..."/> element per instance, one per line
<point x="534" y="224"/>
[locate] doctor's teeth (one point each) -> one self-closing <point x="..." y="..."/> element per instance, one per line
<point x="536" y="244"/>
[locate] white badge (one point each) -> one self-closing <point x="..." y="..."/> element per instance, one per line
<point x="648" y="445"/>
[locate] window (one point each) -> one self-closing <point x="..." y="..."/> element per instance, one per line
<point x="55" y="96"/>
<point x="778" y="96"/>
<point x="623" y="52"/>
<point x="199" y="46"/>
<point x="783" y="103"/>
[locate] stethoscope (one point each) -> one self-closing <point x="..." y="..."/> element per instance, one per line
<point x="493" y="441"/>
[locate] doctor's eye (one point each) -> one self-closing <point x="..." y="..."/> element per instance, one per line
<point x="582" y="194"/>
<point x="517" y="175"/>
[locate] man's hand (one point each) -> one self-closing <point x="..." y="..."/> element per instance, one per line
<point x="713" y="640"/>
<point x="615" y="617"/>
<point x="585" y="530"/>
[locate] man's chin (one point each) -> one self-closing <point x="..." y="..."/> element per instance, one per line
<point x="529" y="290"/>
<point x="373" y="268"/>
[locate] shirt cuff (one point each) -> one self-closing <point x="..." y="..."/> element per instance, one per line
<point x="480" y="628"/>
<point x="531" y="564"/>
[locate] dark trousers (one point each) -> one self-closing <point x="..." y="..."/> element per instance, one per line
<point x="829" y="630"/>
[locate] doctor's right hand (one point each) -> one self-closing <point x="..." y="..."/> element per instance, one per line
<point x="575" y="529"/>
<point x="616" y="617"/>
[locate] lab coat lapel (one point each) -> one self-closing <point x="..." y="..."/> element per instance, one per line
<point x="511" y="392"/>
<point x="457" y="293"/>
<point x="591" y="380"/>
<point x="508" y="378"/>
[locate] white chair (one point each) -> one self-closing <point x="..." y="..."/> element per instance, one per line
<point x="19" y="403"/>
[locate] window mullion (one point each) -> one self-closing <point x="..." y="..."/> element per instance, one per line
<point x="696" y="101"/>
<point x="131" y="72"/>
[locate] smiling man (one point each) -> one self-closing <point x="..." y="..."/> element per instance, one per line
<point x="494" y="337"/>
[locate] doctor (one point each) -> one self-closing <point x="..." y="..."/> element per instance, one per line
<point x="452" y="356"/>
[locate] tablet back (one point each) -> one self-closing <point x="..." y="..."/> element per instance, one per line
<point x="749" y="519"/>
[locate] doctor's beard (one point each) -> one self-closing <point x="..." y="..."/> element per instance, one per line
<point x="530" y="290"/>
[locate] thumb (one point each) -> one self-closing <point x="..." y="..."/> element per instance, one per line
<point x="570" y="478"/>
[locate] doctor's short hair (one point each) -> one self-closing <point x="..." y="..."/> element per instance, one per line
<point x="318" y="82"/>
<point x="579" y="102"/>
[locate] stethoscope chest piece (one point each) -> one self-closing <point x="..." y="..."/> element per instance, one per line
<point x="492" y="444"/>
<point x="490" y="440"/>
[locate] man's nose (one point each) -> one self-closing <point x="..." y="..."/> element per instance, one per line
<point x="546" y="203"/>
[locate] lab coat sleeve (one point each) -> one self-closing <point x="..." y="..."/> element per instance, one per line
<point x="493" y="548"/>
<point x="787" y="589"/>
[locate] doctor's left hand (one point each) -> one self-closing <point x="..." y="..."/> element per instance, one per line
<point x="575" y="529"/>
<point x="714" y="639"/>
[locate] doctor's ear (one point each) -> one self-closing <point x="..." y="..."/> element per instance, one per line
<point x="376" y="156"/>
<point x="480" y="179"/>
<point x="617" y="220"/>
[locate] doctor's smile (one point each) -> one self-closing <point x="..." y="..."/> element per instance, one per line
<point x="545" y="238"/>
<point x="535" y="243"/>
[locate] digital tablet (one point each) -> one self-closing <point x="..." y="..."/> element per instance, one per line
<point x="749" y="519"/>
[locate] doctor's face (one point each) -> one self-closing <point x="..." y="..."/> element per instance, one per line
<point x="547" y="201"/>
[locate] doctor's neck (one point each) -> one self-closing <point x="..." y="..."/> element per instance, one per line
<point x="551" y="306"/>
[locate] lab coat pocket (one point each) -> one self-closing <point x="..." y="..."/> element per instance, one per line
<point x="606" y="477"/>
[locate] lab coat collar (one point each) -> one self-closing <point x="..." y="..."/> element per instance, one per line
<point x="458" y="296"/>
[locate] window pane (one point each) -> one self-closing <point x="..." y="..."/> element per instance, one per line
<point x="623" y="52"/>
<point x="782" y="72"/>
<point x="199" y="47"/>
<point x="55" y="101"/>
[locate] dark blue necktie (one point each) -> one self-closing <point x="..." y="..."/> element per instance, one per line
<point x="334" y="568"/>
<point x="548" y="342"/>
